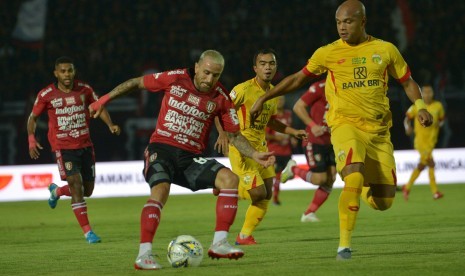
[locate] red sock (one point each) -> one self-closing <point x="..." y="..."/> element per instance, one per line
<point x="149" y="220"/>
<point x="226" y="209"/>
<point x="318" y="199"/>
<point x="277" y="182"/>
<point x="301" y="173"/>
<point x="63" y="191"/>
<point x="80" y="211"/>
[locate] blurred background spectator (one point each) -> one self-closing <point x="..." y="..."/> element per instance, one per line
<point x="112" y="40"/>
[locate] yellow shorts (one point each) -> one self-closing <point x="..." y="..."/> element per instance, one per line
<point x="426" y="154"/>
<point x="352" y="145"/>
<point x="251" y="174"/>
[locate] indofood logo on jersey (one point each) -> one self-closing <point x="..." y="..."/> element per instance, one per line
<point x="187" y="109"/>
<point x="69" y="110"/>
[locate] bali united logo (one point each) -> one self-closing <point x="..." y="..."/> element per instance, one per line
<point x="152" y="157"/>
<point x="68" y="165"/>
<point x="211" y="106"/>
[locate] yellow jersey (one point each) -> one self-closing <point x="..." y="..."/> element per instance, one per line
<point x="427" y="137"/>
<point x="244" y="95"/>
<point x="357" y="81"/>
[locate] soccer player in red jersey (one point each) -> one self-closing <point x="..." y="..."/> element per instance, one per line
<point x="193" y="97"/>
<point x="318" y="149"/>
<point x="281" y="144"/>
<point x="66" y="103"/>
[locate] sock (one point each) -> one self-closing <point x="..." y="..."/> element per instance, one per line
<point x="276" y="183"/>
<point x="149" y="220"/>
<point x="63" y="191"/>
<point x="226" y="209"/>
<point x="80" y="211"/>
<point x="349" y="204"/>
<point x="304" y="174"/>
<point x="416" y="172"/>
<point x="253" y="217"/>
<point x="219" y="235"/>
<point x="432" y="180"/>
<point x="144" y="247"/>
<point x="318" y="199"/>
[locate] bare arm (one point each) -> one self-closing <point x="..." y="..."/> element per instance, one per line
<point x="245" y="148"/>
<point x="300" y="109"/>
<point x="287" y="85"/>
<point x="414" y="94"/>
<point x="105" y="117"/>
<point x="222" y="143"/>
<point x="278" y="126"/>
<point x="120" y="90"/>
<point x="34" y="146"/>
<point x="407" y="126"/>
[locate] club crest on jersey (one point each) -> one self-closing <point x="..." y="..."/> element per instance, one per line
<point x="376" y="59"/>
<point x="210" y="106"/>
<point x="57" y="102"/>
<point x="69" y="165"/>
<point x="341" y="155"/>
<point x="152" y="157"/>
<point x="70" y="100"/>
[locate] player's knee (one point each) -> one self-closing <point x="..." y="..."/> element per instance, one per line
<point x="319" y="179"/>
<point x="227" y="179"/>
<point x="383" y="204"/>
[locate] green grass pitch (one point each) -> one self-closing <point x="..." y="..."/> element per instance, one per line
<point x="422" y="236"/>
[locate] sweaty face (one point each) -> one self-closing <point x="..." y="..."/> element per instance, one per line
<point x="207" y="74"/>
<point x="265" y="67"/>
<point x="427" y="93"/>
<point x="350" y="26"/>
<point x="65" y="74"/>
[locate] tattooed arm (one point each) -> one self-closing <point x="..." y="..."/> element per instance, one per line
<point x="245" y="148"/>
<point x="126" y="87"/>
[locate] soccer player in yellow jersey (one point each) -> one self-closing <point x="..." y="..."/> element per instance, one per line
<point x="358" y="66"/>
<point x="425" y="140"/>
<point x="255" y="181"/>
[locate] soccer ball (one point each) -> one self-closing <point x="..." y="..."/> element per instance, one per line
<point x="184" y="251"/>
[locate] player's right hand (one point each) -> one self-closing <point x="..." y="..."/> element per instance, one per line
<point x="95" y="109"/>
<point x="265" y="159"/>
<point x="425" y="118"/>
<point x="34" y="150"/>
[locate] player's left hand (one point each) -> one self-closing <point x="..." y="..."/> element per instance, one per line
<point x="115" y="129"/>
<point x="425" y="118"/>
<point x="265" y="159"/>
<point x="222" y="144"/>
<point x="300" y="134"/>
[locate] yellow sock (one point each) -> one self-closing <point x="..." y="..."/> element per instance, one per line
<point x="432" y="181"/>
<point x="416" y="172"/>
<point x="349" y="204"/>
<point x="254" y="215"/>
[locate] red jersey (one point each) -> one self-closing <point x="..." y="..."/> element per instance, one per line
<point x="68" y="116"/>
<point x="281" y="148"/>
<point x="187" y="115"/>
<point x="315" y="98"/>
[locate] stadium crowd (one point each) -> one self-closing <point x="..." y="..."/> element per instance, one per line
<point x="111" y="40"/>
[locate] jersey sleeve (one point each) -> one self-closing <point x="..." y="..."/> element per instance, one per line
<point x="39" y="105"/>
<point x="237" y="96"/>
<point x="442" y="113"/>
<point x="228" y="117"/>
<point x="411" y="112"/>
<point x="316" y="65"/>
<point x="398" y="68"/>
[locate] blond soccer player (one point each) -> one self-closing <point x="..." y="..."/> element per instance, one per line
<point x="425" y="140"/>
<point x="358" y="66"/>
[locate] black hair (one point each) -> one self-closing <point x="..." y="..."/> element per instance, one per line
<point x="63" y="59"/>
<point x="263" y="52"/>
